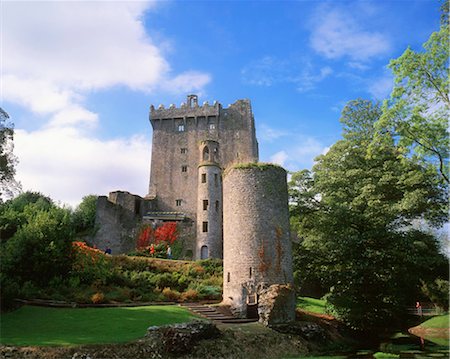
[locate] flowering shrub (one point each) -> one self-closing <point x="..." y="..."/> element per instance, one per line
<point x="166" y="233"/>
<point x="98" y="298"/>
<point x="145" y="237"/>
<point x="189" y="295"/>
<point x="90" y="264"/>
<point x="171" y="294"/>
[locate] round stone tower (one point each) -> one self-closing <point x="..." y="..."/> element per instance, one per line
<point x="257" y="245"/>
<point x="209" y="202"/>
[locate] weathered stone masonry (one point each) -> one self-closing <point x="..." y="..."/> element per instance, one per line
<point x="205" y="176"/>
<point x="257" y="245"/>
<point x="191" y="144"/>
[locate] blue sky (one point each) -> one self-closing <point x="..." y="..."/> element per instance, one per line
<point x="78" y="77"/>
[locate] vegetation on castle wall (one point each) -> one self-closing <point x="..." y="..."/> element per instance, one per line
<point x="154" y="242"/>
<point x="258" y="165"/>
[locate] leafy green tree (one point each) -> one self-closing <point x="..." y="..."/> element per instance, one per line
<point x="38" y="246"/>
<point x="12" y="212"/>
<point x="8" y="161"/>
<point x="419" y="107"/>
<point x="84" y="215"/>
<point x="355" y="215"/>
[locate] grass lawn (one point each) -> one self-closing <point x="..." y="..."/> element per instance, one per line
<point x="311" y="305"/>
<point x="64" y="326"/>
<point x="441" y="321"/>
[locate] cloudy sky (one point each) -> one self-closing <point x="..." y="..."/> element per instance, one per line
<point x="78" y="77"/>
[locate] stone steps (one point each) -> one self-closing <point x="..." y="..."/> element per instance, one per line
<point x="216" y="314"/>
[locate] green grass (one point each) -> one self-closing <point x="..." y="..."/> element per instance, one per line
<point x="381" y="355"/>
<point x="63" y="326"/>
<point x="441" y="321"/>
<point x="311" y="304"/>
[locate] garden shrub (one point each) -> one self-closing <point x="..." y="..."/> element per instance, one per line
<point x="212" y="266"/>
<point x="163" y="280"/>
<point x="183" y="282"/>
<point x="170" y="294"/>
<point x="208" y="291"/>
<point x="194" y="270"/>
<point x="98" y="298"/>
<point x="38" y="251"/>
<point x="189" y="295"/>
<point x="90" y="264"/>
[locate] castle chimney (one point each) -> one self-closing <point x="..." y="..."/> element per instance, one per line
<point x="192" y="100"/>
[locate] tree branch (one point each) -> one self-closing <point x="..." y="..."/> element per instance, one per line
<point x="431" y="149"/>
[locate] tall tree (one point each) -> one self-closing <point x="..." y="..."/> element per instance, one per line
<point x="419" y="107"/>
<point x="8" y="161"/>
<point x="355" y="216"/>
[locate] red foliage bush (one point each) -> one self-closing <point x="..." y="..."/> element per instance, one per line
<point x="167" y="233"/>
<point x="145" y="237"/>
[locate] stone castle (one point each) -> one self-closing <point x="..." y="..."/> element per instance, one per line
<point x="205" y="176"/>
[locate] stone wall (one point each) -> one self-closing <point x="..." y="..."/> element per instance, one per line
<point x="118" y="219"/>
<point x="257" y="245"/>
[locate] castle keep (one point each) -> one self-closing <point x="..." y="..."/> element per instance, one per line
<point x="191" y="146"/>
<point x="206" y="177"/>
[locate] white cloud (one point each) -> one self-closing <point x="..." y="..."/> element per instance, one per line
<point x="54" y="55"/>
<point x="39" y="95"/>
<point x="337" y="33"/>
<point x="269" y="134"/>
<point x="381" y="88"/>
<point x="299" y="153"/>
<point x="81" y="45"/>
<point x="269" y="71"/>
<point x="66" y="165"/>
<point x="72" y="115"/>
<point x="265" y="71"/>
<point x="279" y="158"/>
<point x="191" y="81"/>
<point x="358" y="65"/>
<point x="308" y="80"/>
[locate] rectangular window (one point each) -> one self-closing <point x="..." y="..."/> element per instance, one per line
<point x="203" y="177"/>
<point x="228" y="277"/>
<point x="178" y="202"/>
<point x="183" y="150"/>
<point x="205" y="227"/>
<point x="183" y="168"/>
<point x="205" y="204"/>
<point x="250" y="272"/>
<point x="216" y="179"/>
<point x="217" y="206"/>
<point x="181" y="127"/>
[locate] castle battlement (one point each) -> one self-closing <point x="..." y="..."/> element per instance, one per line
<point x="190" y="108"/>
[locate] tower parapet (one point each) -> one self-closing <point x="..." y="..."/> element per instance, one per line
<point x="190" y="108"/>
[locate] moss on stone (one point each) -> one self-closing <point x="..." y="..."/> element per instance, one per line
<point x="262" y="166"/>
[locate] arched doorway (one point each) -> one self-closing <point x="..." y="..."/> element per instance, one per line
<point x="204" y="252"/>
